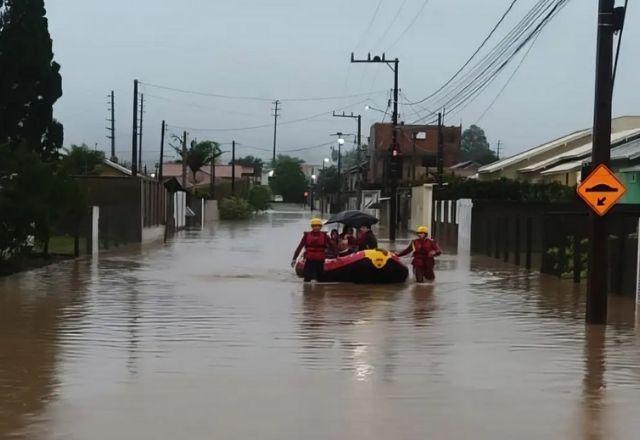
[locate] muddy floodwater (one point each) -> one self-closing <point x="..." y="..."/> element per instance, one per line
<point x="213" y="337"/>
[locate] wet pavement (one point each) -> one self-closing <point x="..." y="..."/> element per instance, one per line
<point x="213" y="336"/>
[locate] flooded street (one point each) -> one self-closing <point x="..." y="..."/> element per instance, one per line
<point x="213" y="336"/>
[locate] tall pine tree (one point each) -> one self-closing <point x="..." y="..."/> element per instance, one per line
<point x="30" y="81"/>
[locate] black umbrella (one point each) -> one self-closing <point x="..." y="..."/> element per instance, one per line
<point x="354" y="219"/>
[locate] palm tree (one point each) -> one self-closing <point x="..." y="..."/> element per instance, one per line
<point x="199" y="154"/>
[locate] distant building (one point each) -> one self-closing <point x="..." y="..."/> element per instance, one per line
<point x="464" y="169"/>
<point x="310" y="170"/>
<point x="418" y="145"/>
<point x="558" y="160"/>
<point x="203" y="176"/>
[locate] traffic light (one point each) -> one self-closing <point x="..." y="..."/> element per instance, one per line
<point x="395" y="165"/>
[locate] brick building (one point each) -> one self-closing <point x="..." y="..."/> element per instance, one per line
<point x="418" y="162"/>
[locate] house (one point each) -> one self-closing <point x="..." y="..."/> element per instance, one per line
<point x="113" y="169"/>
<point x="467" y="169"/>
<point x="539" y="163"/>
<point x="567" y="168"/>
<point x="203" y="176"/>
<point x="418" y="147"/>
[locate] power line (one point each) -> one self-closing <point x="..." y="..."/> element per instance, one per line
<point x="615" y="63"/>
<point x="492" y="64"/>
<point x="373" y="19"/>
<point x="508" y="80"/>
<point x="475" y="92"/>
<point x="393" y="21"/>
<point x="256" y="98"/>
<point x="505" y="47"/>
<point x="410" y="25"/>
<point x="484" y="42"/>
<point x="294" y="121"/>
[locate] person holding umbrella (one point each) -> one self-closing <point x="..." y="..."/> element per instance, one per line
<point x="424" y="252"/>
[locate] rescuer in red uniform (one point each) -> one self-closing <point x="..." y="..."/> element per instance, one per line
<point x="424" y="252"/>
<point x="315" y="243"/>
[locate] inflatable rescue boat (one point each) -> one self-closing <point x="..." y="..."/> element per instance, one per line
<point x="364" y="267"/>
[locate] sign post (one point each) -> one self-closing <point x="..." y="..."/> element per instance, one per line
<point x="601" y="190"/>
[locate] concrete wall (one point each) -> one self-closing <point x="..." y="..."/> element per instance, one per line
<point x="631" y="181"/>
<point x="211" y="213"/>
<point x="180" y="207"/>
<point x="464" y="209"/>
<point x="152" y="233"/>
<point x="421" y="206"/>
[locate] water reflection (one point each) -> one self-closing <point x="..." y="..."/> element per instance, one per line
<point x="594" y="385"/>
<point x="29" y="340"/>
<point x="214" y="333"/>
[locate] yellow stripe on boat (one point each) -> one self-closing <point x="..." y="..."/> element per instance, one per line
<point x="378" y="258"/>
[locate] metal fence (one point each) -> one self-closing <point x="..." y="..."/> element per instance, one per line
<point x="554" y="239"/>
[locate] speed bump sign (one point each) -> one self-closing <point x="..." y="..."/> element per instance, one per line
<point x="601" y="190"/>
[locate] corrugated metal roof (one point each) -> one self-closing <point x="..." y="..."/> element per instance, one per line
<point x="564" y="167"/>
<point x="633" y="169"/>
<point x="578" y="152"/>
<point x="584" y="151"/>
<point x="117" y="166"/>
<point x="497" y="166"/>
<point x="629" y="151"/>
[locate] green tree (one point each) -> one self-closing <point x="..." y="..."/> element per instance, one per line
<point x="350" y="157"/>
<point x="199" y="154"/>
<point x="249" y="161"/>
<point x="82" y="161"/>
<point x="34" y="188"/>
<point x="259" y="197"/>
<point x="288" y="179"/>
<point x="328" y="180"/>
<point x="30" y="81"/>
<point x="235" y="208"/>
<point x="475" y="146"/>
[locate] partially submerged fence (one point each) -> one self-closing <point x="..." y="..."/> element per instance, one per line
<point x="554" y="239"/>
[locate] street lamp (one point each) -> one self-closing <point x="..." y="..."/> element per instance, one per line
<point x="312" y="192"/>
<point x="340" y="144"/>
<point x="368" y="107"/>
<point x="324" y="161"/>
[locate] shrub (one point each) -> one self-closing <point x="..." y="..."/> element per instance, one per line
<point x="259" y="197"/>
<point x="235" y="208"/>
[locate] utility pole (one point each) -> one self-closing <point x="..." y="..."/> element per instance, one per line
<point x="162" y="132"/>
<point x="134" y="134"/>
<point x="394" y="160"/>
<point x="339" y="177"/>
<point x="359" y="121"/>
<point x="498" y="149"/>
<point x="184" y="161"/>
<point x="609" y="21"/>
<point x="233" y="168"/>
<point x="140" y="134"/>
<point x="440" y="158"/>
<point x="275" y="129"/>
<point x="112" y="128"/>
<point x="414" y="138"/>
<point x="212" y="186"/>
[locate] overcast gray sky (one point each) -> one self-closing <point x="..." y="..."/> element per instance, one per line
<point x="294" y="48"/>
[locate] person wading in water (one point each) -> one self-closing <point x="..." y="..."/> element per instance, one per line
<point x="315" y="243"/>
<point x="424" y="252"/>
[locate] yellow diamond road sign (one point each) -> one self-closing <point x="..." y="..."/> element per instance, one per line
<point x="601" y="189"/>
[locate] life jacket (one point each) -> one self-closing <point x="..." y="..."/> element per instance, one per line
<point x="315" y="244"/>
<point x="421" y="249"/>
